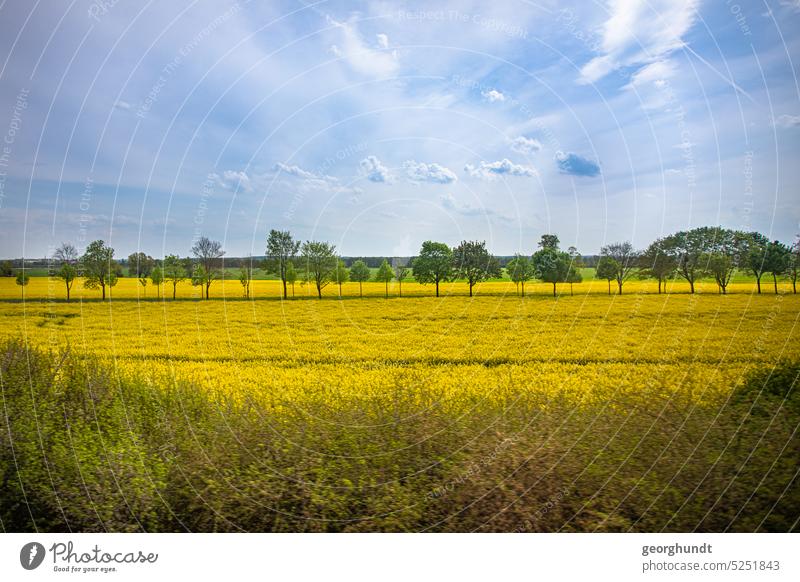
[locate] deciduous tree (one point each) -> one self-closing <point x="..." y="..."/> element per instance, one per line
<point x="359" y="272"/>
<point x="434" y="264"/>
<point x="98" y="267"/>
<point x="281" y="250"/>
<point x="319" y="261"/>
<point x="385" y="274"/>
<point x="473" y="262"/>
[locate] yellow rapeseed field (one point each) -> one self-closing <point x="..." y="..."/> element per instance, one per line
<point x="449" y="351"/>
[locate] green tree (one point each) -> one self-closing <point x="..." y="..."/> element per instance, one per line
<point x="607" y="269"/>
<point x="520" y="270"/>
<point x="281" y="250"/>
<point x="400" y="273"/>
<point x="174" y="271"/>
<point x="688" y="249"/>
<point x="98" y="266"/>
<point x="777" y="260"/>
<point x="340" y="275"/>
<point x="755" y="259"/>
<point x="576" y="264"/>
<point x="202" y="278"/>
<point x="246" y="276"/>
<point x="67" y="256"/>
<point x="291" y="275"/>
<point x="157" y="278"/>
<point x="625" y="259"/>
<point x="434" y="264"/>
<point x="385" y="274"/>
<point x="22" y="280"/>
<point x="320" y="261"/>
<point x="6" y="269"/>
<point x="359" y="272"/>
<point x="550" y="264"/>
<point x="794" y="264"/>
<point x="143" y="283"/>
<point x="208" y="254"/>
<point x="655" y="262"/>
<point x="725" y="252"/>
<point x="471" y="261"/>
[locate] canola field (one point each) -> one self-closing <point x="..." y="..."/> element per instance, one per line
<point x="636" y="412"/>
<point x="493" y="344"/>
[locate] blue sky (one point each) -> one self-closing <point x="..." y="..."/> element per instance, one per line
<point x="378" y="125"/>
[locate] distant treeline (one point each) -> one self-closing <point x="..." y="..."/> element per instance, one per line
<point x="690" y="255"/>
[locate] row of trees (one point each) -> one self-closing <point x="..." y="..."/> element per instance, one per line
<point x="702" y="252"/>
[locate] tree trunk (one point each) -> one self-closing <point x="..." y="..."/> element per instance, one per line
<point x="775" y="282"/>
<point x="470" y="288"/>
<point x="570" y="290"/>
<point x="609" y="286"/>
<point x="67" y="293"/>
<point x="292" y="290"/>
<point x="103" y="287"/>
<point x="554" y="289"/>
<point x="208" y="286"/>
<point x="386" y="294"/>
<point x="724" y="289"/>
<point x="691" y="285"/>
<point x="400" y="282"/>
<point x="620" y="286"/>
<point x="340" y="290"/>
<point x="437" y="287"/>
<point x="285" y="294"/>
<point x="360" y="290"/>
<point x="174" y="289"/>
<point x="794" y="286"/>
<point x="523" y="288"/>
<point x="319" y="291"/>
<point x="758" y="283"/>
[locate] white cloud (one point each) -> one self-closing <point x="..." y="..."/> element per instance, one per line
<point x="313" y="181"/>
<point x="422" y="172"/>
<point x="526" y="145"/>
<point x="374" y="170"/>
<point x="787" y="121"/>
<point x="234" y="180"/>
<point x="504" y="167"/>
<point x="383" y="41"/>
<point x="361" y="57"/>
<point x="493" y="95"/>
<point x="124" y="105"/>
<point x="640" y="32"/>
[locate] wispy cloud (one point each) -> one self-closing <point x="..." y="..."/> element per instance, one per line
<point x="362" y="58"/>
<point x="504" y="167"/>
<point x="787" y="121"/>
<point x="639" y="32"/>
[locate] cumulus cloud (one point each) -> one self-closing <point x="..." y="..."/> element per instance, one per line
<point x="422" y="172"/>
<point x="525" y="145"/>
<point x="639" y="32"/>
<point x="374" y="170"/>
<point x="360" y="57"/>
<point x="504" y="167"/>
<point x="383" y="41"/>
<point x="124" y="105"/>
<point x="575" y="165"/>
<point x="493" y="95"/>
